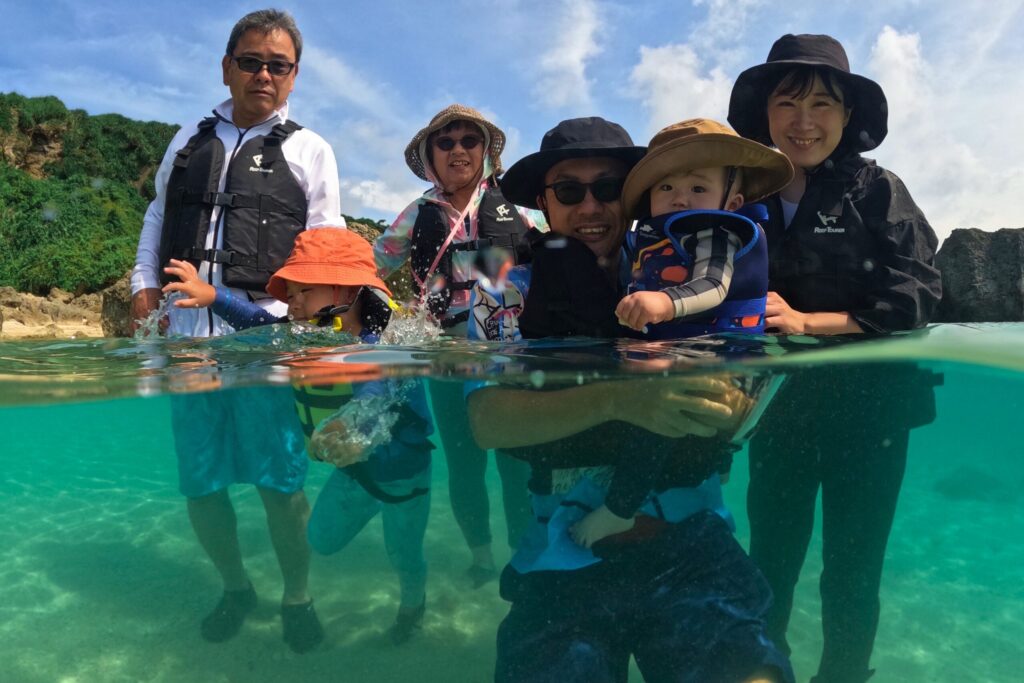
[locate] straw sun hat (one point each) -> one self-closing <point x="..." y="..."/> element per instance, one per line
<point x="703" y="143"/>
<point x="416" y="150"/>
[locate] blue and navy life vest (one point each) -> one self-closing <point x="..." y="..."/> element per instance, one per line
<point x="661" y="251"/>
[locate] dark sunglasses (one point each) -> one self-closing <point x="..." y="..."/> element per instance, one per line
<point x="468" y="142"/>
<point x="571" y="192"/>
<point x="253" y="65"/>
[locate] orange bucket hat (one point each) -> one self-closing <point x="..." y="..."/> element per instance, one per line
<point x="327" y="256"/>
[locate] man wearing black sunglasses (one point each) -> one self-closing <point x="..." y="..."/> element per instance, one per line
<point x="233" y="192"/>
<point x="576" y="179"/>
<point x="676" y="591"/>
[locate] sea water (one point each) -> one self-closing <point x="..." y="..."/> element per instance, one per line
<point x="102" y="579"/>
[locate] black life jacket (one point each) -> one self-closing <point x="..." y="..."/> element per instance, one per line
<point x="570" y="295"/>
<point x="263" y="206"/>
<point x="498" y="225"/>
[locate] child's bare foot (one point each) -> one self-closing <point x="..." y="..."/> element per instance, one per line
<point x="599" y="524"/>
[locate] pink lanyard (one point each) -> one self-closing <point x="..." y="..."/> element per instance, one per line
<point x="463" y="220"/>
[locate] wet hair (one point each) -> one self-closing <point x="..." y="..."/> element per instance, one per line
<point x="266" y="21"/>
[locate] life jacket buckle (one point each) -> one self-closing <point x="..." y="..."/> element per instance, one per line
<point x="219" y="198"/>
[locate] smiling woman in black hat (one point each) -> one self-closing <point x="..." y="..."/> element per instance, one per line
<point x="850" y="252"/>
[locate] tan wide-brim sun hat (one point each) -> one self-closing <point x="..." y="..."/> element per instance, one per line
<point x="703" y="143"/>
<point x="416" y="150"/>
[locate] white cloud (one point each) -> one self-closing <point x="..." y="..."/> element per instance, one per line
<point x="721" y="33"/>
<point x="673" y="85"/>
<point x="959" y="155"/>
<point x="689" y="80"/>
<point x="563" y="79"/>
<point x="336" y="82"/>
<point x="377" y="197"/>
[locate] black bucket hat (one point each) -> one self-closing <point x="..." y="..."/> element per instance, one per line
<point x="571" y="139"/>
<point x="747" y="106"/>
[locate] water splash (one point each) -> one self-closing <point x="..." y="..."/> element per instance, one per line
<point x="149" y="327"/>
<point x="360" y="426"/>
<point x="410" y="325"/>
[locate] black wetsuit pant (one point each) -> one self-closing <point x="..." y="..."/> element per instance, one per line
<point x="467" y="468"/>
<point x="687" y="605"/>
<point x="858" y="463"/>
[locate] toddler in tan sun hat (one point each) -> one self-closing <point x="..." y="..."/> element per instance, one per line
<point x="698" y="266"/>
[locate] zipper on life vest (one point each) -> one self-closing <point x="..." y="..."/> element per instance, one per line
<point x="220" y="218"/>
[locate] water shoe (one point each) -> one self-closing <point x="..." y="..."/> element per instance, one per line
<point x="480" y="575"/>
<point x="406" y="623"/>
<point x="224" y="622"/>
<point x="301" y="627"/>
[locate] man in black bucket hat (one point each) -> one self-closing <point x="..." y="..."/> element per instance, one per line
<point x="576" y="179"/>
<point x="676" y="592"/>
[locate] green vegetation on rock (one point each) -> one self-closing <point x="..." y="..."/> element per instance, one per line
<point x="73" y="192"/>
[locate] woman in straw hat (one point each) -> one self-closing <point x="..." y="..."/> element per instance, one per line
<point x="459" y="153"/>
<point x="850" y="252"/>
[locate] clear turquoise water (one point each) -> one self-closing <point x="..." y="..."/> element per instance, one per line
<point x="101" y="578"/>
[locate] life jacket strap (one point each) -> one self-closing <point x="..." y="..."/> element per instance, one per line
<point x="222" y="256"/>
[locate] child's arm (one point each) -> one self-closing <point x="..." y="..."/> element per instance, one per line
<point x="197" y="294"/>
<point x="633" y="480"/>
<point x="707" y="287"/>
<point x="599" y="524"/>
<point x="238" y="313"/>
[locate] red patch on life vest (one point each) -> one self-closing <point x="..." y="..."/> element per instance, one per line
<point x="676" y="274"/>
<point x="748" y="320"/>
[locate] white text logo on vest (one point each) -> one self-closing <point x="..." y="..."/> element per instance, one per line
<point x="826" y="225"/>
<point x="503" y="213"/>
<point x="258" y="168"/>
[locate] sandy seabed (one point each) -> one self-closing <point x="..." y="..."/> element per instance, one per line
<point x="102" y="580"/>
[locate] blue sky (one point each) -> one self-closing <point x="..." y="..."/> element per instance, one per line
<point x="373" y="73"/>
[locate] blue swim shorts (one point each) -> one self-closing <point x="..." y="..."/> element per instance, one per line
<point x="248" y="435"/>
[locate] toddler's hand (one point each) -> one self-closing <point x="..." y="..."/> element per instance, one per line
<point x="198" y="294"/>
<point x="640" y="309"/>
<point x="599" y="524"/>
<point x="331" y="443"/>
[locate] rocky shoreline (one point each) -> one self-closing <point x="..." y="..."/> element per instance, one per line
<point x="58" y="315"/>
<point x="982" y="277"/>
